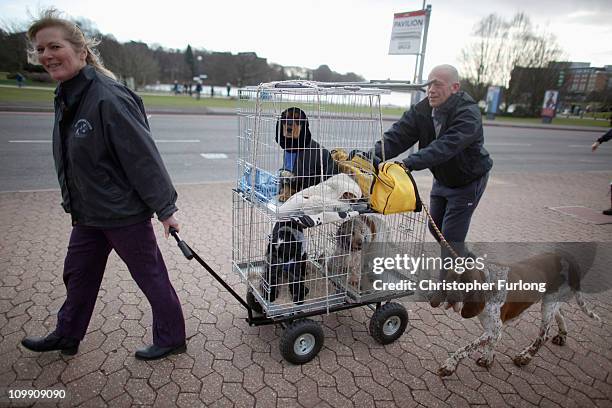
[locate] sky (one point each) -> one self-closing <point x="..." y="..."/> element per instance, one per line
<point x="347" y="35"/>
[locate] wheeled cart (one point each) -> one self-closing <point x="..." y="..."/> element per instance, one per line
<point x="311" y="252"/>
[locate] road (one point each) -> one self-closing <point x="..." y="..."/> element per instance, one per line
<point x="199" y="149"/>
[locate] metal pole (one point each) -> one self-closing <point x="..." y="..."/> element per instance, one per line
<point x="417" y="78"/>
<point x="422" y="54"/>
<point x="427" y="16"/>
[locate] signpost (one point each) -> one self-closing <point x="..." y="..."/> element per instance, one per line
<point x="409" y="37"/>
<point x="407" y="32"/>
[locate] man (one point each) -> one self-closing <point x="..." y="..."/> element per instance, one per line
<point x="448" y="127"/>
<point x="594" y="147"/>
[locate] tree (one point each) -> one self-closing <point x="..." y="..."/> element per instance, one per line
<point x="13" y="56"/>
<point x="141" y="64"/>
<point x="190" y="61"/>
<point x="323" y="74"/>
<point x="498" y="47"/>
<point x="483" y="55"/>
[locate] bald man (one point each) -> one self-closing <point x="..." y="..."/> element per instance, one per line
<point x="448" y="127"/>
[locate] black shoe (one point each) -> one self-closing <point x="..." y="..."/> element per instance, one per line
<point x="154" y="352"/>
<point x="52" y="342"/>
<point x="608" y="211"/>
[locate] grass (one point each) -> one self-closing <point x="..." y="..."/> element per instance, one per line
<point x="13" y="82"/>
<point x="184" y="101"/>
<point x="25" y="95"/>
<point x="44" y="97"/>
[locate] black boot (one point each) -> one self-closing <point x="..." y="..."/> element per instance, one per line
<point x="52" y="342"/>
<point x="608" y="211"/>
<point x="154" y="352"/>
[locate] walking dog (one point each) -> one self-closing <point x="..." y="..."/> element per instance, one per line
<point x="560" y="273"/>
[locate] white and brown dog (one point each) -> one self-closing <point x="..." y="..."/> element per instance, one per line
<point x="352" y="243"/>
<point x="559" y="272"/>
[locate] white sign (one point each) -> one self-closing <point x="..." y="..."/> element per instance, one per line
<point x="407" y="32"/>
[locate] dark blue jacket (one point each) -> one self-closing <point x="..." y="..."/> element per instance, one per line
<point x="605" y="137"/>
<point x="457" y="156"/>
<point x="109" y="169"/>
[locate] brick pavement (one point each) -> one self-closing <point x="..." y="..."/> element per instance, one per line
<point x="229" y="363"/>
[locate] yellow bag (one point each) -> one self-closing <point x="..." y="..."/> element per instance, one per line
<point x="394" y="190"/>
<point x="359" y="167"/>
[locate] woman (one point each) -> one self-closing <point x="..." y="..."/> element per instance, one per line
<point x="112" y="180"/>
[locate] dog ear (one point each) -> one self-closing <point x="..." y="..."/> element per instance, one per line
<point x="471" y="309"/>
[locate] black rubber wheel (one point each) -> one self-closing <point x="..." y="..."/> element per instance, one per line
<point x="301" y="341"/>
<point x="252" y="301"/>
<point x="388" y="323"/>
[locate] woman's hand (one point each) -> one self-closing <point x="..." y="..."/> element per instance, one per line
<point x="594" y="146"/>
<point x="171" y="221"/>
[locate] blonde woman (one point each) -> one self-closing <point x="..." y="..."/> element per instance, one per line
<point x="112" y="180"/>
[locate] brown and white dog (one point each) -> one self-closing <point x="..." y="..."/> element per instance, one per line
<point x="352" y="240"/>
<point x="559" y="272"/>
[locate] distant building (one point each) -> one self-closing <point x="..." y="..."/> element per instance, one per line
<point x="581" y="79"/>
<point x="581" y="87"/>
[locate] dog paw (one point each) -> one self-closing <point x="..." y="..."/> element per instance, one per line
<point x="559" y="340"/>
<point x="484" y="362"/>
<point x="521" y="360"/>
<point x="447" y="368"/>
<point x="445" y="371"/>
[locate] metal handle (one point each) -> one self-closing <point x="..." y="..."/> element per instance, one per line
<point x="181" y="244"/>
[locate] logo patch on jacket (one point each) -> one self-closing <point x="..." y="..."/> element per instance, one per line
<point x="82" y="127"/>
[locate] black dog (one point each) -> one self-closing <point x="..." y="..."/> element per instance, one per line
<point x="286" y="256"/>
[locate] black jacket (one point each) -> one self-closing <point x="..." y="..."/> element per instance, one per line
<point x="107" y="164"/>
<point x="309" y="154"/>
<point x="605" y="137"/>
<point x="457" y="156"/>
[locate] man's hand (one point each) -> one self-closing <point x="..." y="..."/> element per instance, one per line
<point x="171" y="221"/>
<point x="594" y="146"/>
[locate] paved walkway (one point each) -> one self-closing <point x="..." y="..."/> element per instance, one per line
<point x="229" y="363"/>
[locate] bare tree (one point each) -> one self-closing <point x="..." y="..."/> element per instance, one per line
<point x="498" y="47"/>
<point x="481" y="58"/>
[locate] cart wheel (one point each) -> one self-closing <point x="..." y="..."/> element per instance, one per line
<point x="252" y="301"/>
<point x="301" y="341"/>
<point x="388" y="323"/>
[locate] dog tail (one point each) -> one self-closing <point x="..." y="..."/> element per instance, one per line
<point x="574" y="277"/>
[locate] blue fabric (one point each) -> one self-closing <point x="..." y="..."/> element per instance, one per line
<point x="266" y="184"/>
<point x="289" y="160"/>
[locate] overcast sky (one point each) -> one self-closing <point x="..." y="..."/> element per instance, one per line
<point x="347" y="35"/>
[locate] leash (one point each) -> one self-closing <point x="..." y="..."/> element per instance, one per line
<point x="439" y="233"/>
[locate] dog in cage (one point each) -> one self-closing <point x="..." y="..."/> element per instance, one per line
<point x="286" y="258"/>
<point x="303" y="156"/>
<point x="353" y="246"/>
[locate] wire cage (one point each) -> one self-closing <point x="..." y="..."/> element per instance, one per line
<point x="302" y="231"/>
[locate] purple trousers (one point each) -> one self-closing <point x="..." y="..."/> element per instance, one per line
<point x="84" y="266"/>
